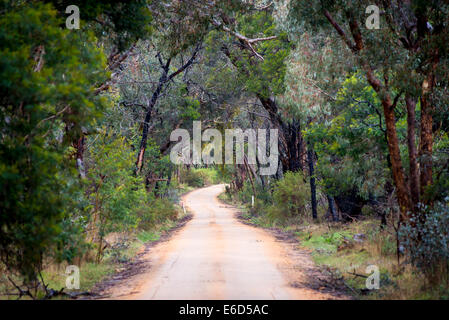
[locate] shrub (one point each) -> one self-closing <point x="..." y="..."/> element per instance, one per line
<point x="209" y="175"/>
<point x="36" y="178"/>
<point x="115" y="193"/>
<point x="263" y="196"/>
<point x="427" y="242"/>
<point x="291" y="196"/>
<point x="192" y="178"/>
<point x="199" y="177"/>
<point x="245" y="194"/>
<point x="158" y="211"/>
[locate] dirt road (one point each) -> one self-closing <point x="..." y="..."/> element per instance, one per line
<point x="217" y="257"/>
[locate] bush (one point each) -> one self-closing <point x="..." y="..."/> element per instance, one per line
<point x="209" y="175"/>
<point x="158" y="211"/>
<point x="199" y="177"/>
<point x="291" y="196"/>
<point x="192" y="178"/>
<point x="263" y="196"/>
<point x="427" y="242"/>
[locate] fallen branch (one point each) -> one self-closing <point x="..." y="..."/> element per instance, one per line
<point x="358" y="275"/>
<point x="51" y="293"/>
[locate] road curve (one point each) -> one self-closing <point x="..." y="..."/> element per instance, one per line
<point x="217" y="257"/>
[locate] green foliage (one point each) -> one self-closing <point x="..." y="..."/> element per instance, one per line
<point x="118" y="200"/>
<point x="158" y="166"/>
<point x="427" y="242"/>
<point x="211" y="175"/>
<point x="191" y="109"/>
<point x="116" y="192"/>
<point x="192" y="178"/>
<point x="264" y="77"/>
<point x="119" y="22"/>
<point x="47" y="74"/>
<point x="291" y="197"/>
<point x="327" y="242"/>
<point x="157" y="211"/>
<point x="200" y="177"/>
<point x="351" y="148"/>
<point x="263" y="196"/>
<point x="147" y="236"/>
<point x="286" y="200"/>
<point x="440" y="188"/>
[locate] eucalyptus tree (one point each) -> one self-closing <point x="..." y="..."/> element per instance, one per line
<point x="404" y="59"/>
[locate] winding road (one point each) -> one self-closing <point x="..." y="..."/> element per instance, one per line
<point x="217" y="257"/>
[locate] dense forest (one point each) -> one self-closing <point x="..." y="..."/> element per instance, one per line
<point x="357" y="91"/>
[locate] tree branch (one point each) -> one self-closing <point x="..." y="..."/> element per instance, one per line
<point x="243" y="39"/>
<point x="187" y="64"/>
<point x="339" y="30"/>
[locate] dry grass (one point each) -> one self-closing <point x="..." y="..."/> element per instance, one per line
<point x="349" y="259"/>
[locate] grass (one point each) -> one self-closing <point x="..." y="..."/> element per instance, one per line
<point x="333" y="246"/>
<point x="90" y="274"/>
<point x="149" y="236"/>
<point x="184" y="188"/>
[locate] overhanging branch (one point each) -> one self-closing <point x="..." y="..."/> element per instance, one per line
<point x="249" y="42"/>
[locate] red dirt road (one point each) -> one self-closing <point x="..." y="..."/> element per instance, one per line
<point x="217" y="257"/>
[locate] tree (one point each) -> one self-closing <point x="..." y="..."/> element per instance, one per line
<point x="50" y="86"/>
<point x="263" y="74"/>
<point x="165" y="78"/>
<point x="410" y="44"/>
<point x="47" y="79"/>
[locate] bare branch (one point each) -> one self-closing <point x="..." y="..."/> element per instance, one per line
<point x="242" y="38"/>
<point x="187" y="64"/>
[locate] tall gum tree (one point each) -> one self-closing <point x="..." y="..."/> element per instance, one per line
<point x="411" y="42"/>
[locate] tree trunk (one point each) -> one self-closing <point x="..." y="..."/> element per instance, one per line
<point x="79" y="147"/>
<point x="250" y="174"/>
<point x="426" y="137"/>
<point x="332" y="208"/>
<point x="164" y="78"/>
<point x="294" y="144"/>
<point x="312" y="180"/>
<point x="289" y="133"/>
<point x="412" y="152"/>
<point x="395" y="156"/>
<point x="402" y="191"/>
<point x="290" y="138"/>
<point x="146" y="124"/>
